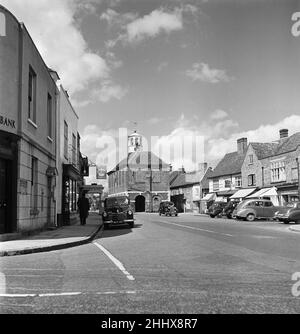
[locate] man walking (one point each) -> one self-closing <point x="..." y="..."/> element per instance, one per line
<point x="83" y="206"/>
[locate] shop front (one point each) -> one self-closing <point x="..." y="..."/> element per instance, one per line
<point x="288" y="193"/>
<point x="72" y="181"/>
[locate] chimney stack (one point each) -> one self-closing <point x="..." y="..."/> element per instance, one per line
<point x="242" y="144"/>
<point x="284" y="133"/>
<point x="202" y="167"/>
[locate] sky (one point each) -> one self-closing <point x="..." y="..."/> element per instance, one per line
<point x="215" y="69"/>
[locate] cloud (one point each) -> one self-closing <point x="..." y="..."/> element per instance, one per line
<point x="60" y="41"/>
<point x="117" y="20"/>
<point x="134" y="29"/>
<point x="162" y="65"/>
<point x="108" y="91"/>
<point x="153" y="24"/>
<point x="218" y="114"/>
<point x="202" y="72"/>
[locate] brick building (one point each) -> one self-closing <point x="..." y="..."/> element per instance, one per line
<point x="187" y="189"/>
<point x="142" y="176"/>
<point x="274" y="165"/>
<point x="226" y="178"/>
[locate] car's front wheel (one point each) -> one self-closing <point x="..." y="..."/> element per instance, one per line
<point x="250" y="217"/>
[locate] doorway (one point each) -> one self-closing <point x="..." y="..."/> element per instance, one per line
<point x="4" y="197"/>
<point x="140" y="205"/>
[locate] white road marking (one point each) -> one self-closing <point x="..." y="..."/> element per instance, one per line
<point x="116" y="292"/>
<point x="63" y="294"/>
<point x="197" y="228"/>
<point x="2" y="283"/>
<point x="59" y="294"/>
<point x="18" y="295"/>
<point x="117" y="263"/>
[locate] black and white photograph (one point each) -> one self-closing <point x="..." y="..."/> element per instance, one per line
<point x="149" y="159"/>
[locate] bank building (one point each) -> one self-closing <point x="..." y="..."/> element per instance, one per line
<point x="142" y="176"/>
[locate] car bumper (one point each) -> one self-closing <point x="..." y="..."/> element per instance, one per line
<point x="123" y="221"/>
<point x="282" y="217"/>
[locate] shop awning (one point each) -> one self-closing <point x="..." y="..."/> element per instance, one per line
<point x="264" y="192"/>
<point x="225" y="192"/>
<point x="242" y="193"/>
<point x="208" y="197"/>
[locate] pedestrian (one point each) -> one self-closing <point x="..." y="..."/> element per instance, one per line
<point x="84" y="207"/>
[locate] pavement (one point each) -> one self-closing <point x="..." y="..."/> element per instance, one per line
<point x="60" y="238"/>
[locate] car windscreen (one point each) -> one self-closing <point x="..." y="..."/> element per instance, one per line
<point x="117" y="201"/>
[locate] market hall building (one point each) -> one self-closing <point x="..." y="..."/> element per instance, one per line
<point x="142" y="176"/>
<point x="27" y="132"/>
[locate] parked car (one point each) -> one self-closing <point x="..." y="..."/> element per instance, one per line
<point x="117" y="210"/>
<point x="167" y="208"/>
<point x="216" y="209"/>
<point x="289" y="213"/>
<point x="229" y="208"/>
<point x="252" y="209"/>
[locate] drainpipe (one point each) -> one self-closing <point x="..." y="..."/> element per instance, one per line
<point x="262" y="177"/>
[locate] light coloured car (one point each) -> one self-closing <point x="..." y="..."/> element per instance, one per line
<point x="251" y="209"/>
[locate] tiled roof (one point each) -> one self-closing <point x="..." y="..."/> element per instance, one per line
<point x="180" y="181"/>
<point x="264" y="150"/>
<point x="141" y="160"/>
<point x="189" y="179"/>
<point x="230" y="164"/>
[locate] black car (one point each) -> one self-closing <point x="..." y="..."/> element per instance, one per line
<point x="117" y="210"/>
<point x="229" y="208"/>
<point x="167" y="208"/>
<point x="216" y="209"/>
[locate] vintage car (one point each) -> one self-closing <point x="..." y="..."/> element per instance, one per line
<point x="288" y="213"/>
<point x="117" y="210"/>
<point x="229" y="208"/>
<point x="216" y="209"/>
<point x="251" y="209"/>
<point x="167" y="208"/>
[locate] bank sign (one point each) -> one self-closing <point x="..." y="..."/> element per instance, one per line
<point x="7" y="123"/>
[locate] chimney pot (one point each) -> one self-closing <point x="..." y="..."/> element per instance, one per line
<point x="284" y="133"/>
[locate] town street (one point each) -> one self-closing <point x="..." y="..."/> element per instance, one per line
<point x="185" y="264"/>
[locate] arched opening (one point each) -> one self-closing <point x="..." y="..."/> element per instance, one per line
<point x="156" y="202"/>
<point x="140" y="205"/>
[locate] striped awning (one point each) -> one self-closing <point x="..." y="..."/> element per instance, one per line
<point x="264" y="192"/>
<point x="208" y="197"/>
<point x="242" y="193"/>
